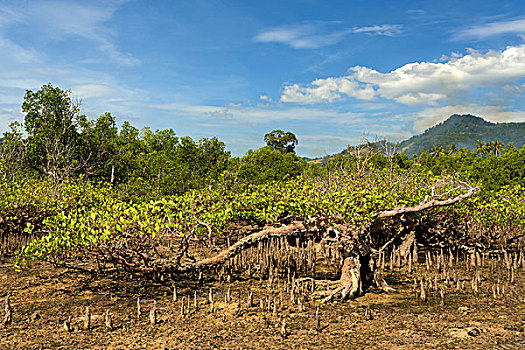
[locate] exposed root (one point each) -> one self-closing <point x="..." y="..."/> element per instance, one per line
<point x="356" y="278"/>
<point x="329" y="283"/>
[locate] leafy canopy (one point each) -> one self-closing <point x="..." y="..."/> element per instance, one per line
<point x="279" y="140"/>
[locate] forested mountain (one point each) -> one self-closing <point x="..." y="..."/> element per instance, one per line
<point x="458" y="131"/>
<point x="464" y="131"/>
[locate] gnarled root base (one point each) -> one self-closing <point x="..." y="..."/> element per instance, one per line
<point x="358" y="274"/>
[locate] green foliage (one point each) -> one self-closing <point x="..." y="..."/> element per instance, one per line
<point x="99" y="147"/>
<point x="26" y="204"/>
<point x="266" y="164"/>
<point x="12" y="153"/>
<point x="52" y="121"/>
<point x="152" y="164"/>
<point x="116" y="194"/>
<point x="63" y="144"/>
<point x="496" y="218"/>
<point x="491" y="172"/>
<point x="281" y="141"/>
<point x="105" y="224"/>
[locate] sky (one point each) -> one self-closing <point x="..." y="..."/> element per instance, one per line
<point x="331" y="72"/>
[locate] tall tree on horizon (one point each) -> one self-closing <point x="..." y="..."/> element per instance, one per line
<point x="279" y="140"/>
<point x="52" y="122"/>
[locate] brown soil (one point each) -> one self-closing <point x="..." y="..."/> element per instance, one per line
<point x="43" y="297"/>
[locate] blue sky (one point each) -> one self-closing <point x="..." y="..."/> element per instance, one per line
<point x="329" y="71"/>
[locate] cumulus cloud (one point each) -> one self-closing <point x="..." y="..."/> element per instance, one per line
<point x="319" y="34"/>
<point x="420" y="83"/>
<point x="327" y="90"/>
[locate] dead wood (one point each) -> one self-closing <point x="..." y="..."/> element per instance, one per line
<point x="426" y="205"/>
<point x="294" y="229"/>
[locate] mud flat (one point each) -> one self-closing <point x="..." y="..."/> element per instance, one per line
<point x="48" y="307"/>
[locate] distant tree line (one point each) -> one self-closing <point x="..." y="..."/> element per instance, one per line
<point x="58" y="142"/>
<point x="491" y="166"/>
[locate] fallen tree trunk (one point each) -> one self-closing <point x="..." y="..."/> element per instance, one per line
<point x="359" y="271"/>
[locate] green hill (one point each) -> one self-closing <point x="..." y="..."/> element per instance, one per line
<point x="464" y="131"/>
<point x="461" y="130"/>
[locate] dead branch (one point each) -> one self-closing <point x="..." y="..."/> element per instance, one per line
<point x="427" y="205"/>
<point x="296" y="228"/>
<point x="208" y="227"/>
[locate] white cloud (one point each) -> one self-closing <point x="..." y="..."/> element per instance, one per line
<point x="304" y="36"/>
<point x="416" y="12"/>
<point x="17" y="52"/>
<point x="92" y="90"/>
<point x="319" y="34"/>
<point x="9" y="115"/>
<point x="425" y="83"/>
<point x="510" y="26"/>
<point x="385" y="29"/>
<point x="107" y="92"/>
<point x="99" y="92"/>
<point x="122" y="58"/>
<point x="9" y="16"/>
<point x="514" y="88"/>
<point x="327" y="90"/>
<point x="260" y="114"/>
<point x="24" y="67"/>
<point x="18" y="83"/>
<point x="420" y="98"/>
